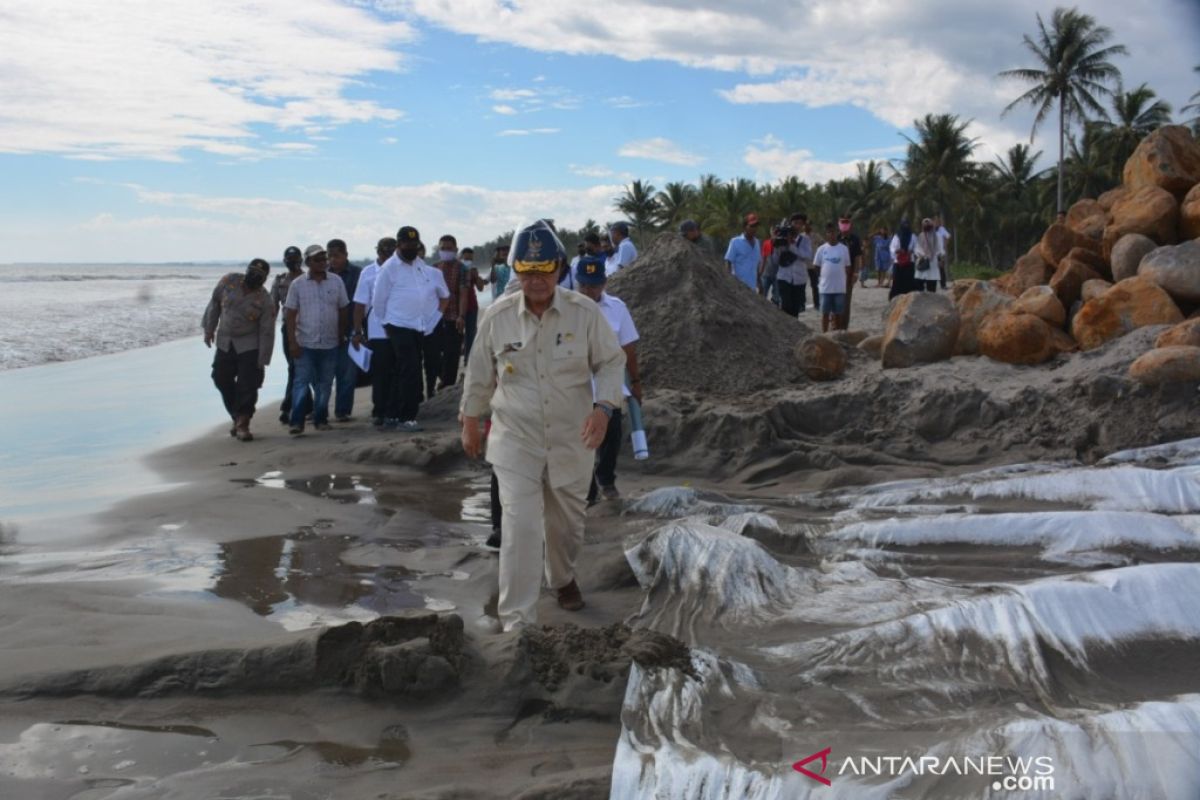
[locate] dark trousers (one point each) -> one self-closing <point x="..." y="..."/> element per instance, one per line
<point x="404" y="395"/>
<point x="926" y="286"/>
<point x="285" y="408"/>
<point x="472" y="324"/>
<point x="441" y="352"/>
<point x="814" y="281"/>
<point x="791" y="297"/>
<point x="903" y="281"/>
<point x="497" y="509"/>
<point x="345" y="377"/>
<point x="606" y="457"/>
<point x="237" y="377"/>
<point x="383" y="372"/>
<point x="314" y="372"/>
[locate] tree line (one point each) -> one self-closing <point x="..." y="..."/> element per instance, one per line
<point x="996" y="209"/>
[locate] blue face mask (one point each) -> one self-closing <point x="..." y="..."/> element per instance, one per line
<point x="447" y="255"/>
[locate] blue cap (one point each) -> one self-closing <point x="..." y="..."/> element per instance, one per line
<point x="590" y="271"/>
<point x="536" y="249"/>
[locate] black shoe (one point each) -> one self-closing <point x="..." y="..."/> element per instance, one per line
<point x="493" y="541"/>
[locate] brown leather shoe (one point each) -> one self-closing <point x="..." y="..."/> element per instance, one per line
<point x="570" y="598"/>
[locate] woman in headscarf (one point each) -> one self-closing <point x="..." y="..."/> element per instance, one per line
<point x="903" y="261"/>
<point x="927" y="253"/>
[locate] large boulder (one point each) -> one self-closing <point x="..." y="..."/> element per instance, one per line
<point x="1088" y="218"/>
<point x="1186" y="333"/>
<point x="821" y="358"/>
<point x="1189" y="215"/>
<point x="1041" y="302"/>
<point x="1150" y="210"/>
<point x="1093" y="289"/>
<point x="1030" y="270"/>
<point x="1127" y="254"/>
<point x="1167" y="365"/>
<point x="1022" y="338"/>
<point x="1111" y="197"/>
<point x="1131" y="304"/>
<point x="1092" y="257"/>
<point x="872" y="346"/>
<point x="1067" y="281"/>
<point x="977" y="304"/>
<point x="960" y="287"/>
<point x="1168" y="159"/>
<point x="922" y="327"/>
<point x="1059" y="239"/>
<point x="1176" y="269"/>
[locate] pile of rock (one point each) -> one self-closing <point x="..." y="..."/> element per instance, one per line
<point x="1125" y="260"/>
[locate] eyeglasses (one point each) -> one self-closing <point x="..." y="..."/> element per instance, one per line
<point x="321" y="257"/>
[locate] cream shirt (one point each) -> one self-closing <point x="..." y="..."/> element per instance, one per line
<point x="537" y="380"/>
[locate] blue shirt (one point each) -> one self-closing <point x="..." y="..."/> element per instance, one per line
<point x="502" y="273"/>
<point x="743" y="255"/>
<point x="883" y="256"/>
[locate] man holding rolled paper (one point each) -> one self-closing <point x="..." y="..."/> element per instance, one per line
<point x="591" y="280"/>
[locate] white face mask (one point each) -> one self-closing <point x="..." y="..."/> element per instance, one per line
<point x="466" y="264"/>
<point x="447" y="255"/>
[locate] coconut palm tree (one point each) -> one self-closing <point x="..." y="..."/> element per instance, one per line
<point x="939" y="175"/>
<point x="674" y="203"/>
<point x="870" y="193"/>
<point x="640" y="206"/>
<point x="1072" y="69"/>
<point x="1135" y="114"/>
<point x="1194" y="105"/>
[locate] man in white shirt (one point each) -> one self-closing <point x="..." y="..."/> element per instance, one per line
<point x="409" y="298"/>
<point x="624" y="253"/>
<point x="591" y="278"/>
<point x="383" y="367"/>
<point x="943" y="236"/>
<point x="833" y="261"/>
<point x="316" y="321"/>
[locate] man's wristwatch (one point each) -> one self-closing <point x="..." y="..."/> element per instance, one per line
<point x="606" y="408"/>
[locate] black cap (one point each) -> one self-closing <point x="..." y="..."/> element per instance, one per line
<point x="407" y="234"/>
<point x="292" y="252"/>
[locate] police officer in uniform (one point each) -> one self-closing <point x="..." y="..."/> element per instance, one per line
<point x="240" y="318"/>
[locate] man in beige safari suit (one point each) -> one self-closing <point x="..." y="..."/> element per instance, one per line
<point x="538" y="351"/>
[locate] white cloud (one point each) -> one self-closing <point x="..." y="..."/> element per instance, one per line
<point x="899" y="59"/>
<point x="126" y="79"/>
<point x="504" y="109"/>
<point x="512" y="94"/>
<point x="625" y="101"/>
<point x="294" y="147"/>
<point x="660" y="149"/>
<point x="528" y="131"/>
<point x="598" y="171"/>
<point x="771" y="159"/>
<point x="236" y="227"/>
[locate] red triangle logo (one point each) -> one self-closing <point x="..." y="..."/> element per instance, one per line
<point x="819" y="777"/>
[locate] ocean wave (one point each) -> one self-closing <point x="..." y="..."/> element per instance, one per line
<point x="85" y="278"/>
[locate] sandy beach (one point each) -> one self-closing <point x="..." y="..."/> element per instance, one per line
<point x="229" y="636"/>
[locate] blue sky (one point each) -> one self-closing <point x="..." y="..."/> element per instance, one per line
<point x="188" y="131"/>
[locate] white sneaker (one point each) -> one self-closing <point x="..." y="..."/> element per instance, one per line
<point x="412" y="426"/>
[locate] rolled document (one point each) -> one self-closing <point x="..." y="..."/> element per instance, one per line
<point x="637" y="431"/>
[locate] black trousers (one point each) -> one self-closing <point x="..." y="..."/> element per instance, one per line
<point x="606" y="457"/>
<point x="814" y="281"/>
<point x="237" y="377"/>
<point x="926" y="286"/>
<point x="791" y="297"/>
<point x="285" y="408"/>
<point x="404" y="395"/>
<point x="903" y="281"/>
<point x="383" y="373"/>
<point x="497" y="509"/>
<point x="441" y="351"/>
<point x="472" y="325"/>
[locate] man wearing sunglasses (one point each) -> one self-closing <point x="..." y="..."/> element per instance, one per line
<point x="537" y="353"/>
<point x="315" y="315"/>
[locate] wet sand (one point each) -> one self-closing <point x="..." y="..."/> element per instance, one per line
<point x="113" y="634"/>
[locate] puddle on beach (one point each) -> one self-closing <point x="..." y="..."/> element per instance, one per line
<point x="315" y="575"/>
<point x="455" y="499"/>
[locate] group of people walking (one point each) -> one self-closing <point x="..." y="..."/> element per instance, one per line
<point x="790" y="263"/>
<point x="556" y="358"/>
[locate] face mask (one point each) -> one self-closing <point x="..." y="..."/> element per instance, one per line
<point x="844" y="227"/>
<point x="447" y="255"/>
<point x="409" y="253"/>
<point x="467" y="264"/>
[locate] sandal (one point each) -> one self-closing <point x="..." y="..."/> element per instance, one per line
<point x="244" y="435"/>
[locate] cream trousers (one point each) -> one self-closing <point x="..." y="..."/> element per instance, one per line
<point x="542" y="532"/>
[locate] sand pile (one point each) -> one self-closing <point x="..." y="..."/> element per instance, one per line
<point x="701" y="330"/>
<point x="557" y="651"/>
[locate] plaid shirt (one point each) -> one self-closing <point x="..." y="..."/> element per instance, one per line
<point x="452" y="272"/>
